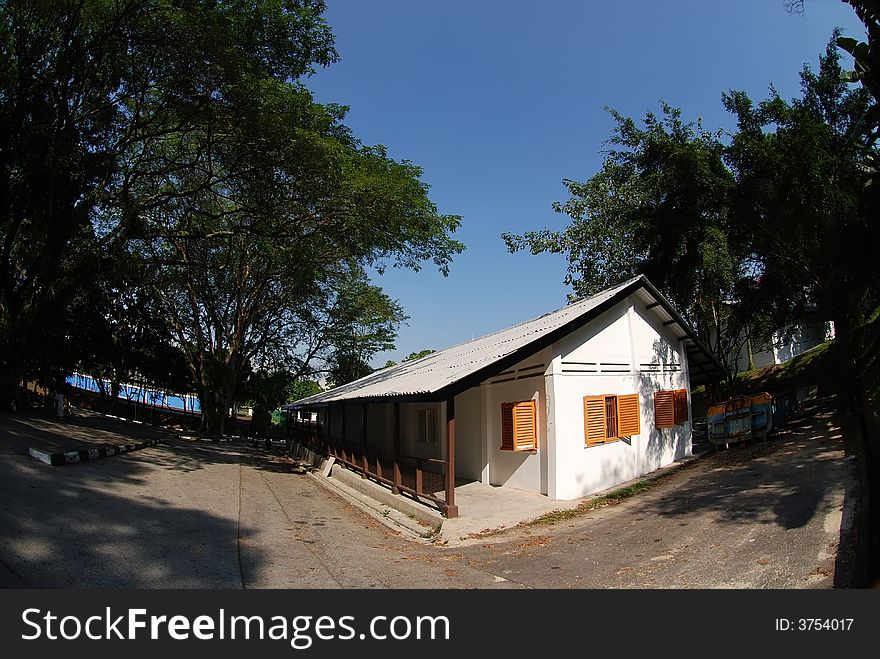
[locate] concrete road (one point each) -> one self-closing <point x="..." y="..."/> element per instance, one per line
<point x="193" y="515"/>
<point x="766" y="516"/>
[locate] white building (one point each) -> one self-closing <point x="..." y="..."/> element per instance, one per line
<point x="567" y="404"/>
<point x="784" y="344"/>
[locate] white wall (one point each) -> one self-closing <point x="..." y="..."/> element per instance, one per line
<point x="524" y="470"/>
<point x="470" y="454"/>
<point x="627" y="350"/>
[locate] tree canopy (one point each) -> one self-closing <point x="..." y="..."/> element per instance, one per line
<point x="179" y="136"/>
<point x="740" y="230"/>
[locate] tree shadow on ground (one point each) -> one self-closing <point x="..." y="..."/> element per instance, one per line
<point x="69" y="533"/>
<point x="70" y="527"/>
<point x="752" y="484"/>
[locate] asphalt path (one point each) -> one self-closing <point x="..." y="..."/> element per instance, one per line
<point x="187" y="514"/>
<point x="768" y="515"/>
<point x="192" y="515"/>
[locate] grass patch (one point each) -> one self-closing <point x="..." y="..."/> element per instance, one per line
<point x="819" y="365"/>
<point x="615" y="496"/>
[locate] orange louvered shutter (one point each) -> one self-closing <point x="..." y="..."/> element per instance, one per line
<point x="594" y="419"/>
<point x="519" y="427"/>
<point x="680" y="402"/>
<point x="628" y="415"/>
<point x="664" y="412"/>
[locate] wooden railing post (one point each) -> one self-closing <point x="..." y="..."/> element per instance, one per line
<point x="395" y="465"/>
<point x="451" y="508"/>
<point x="366" y="464"/>
<point x="419" y="477"/>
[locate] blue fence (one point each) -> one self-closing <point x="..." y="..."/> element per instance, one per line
<point x="143" y="395"/>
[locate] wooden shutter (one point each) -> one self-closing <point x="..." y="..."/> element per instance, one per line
<point x="664" y="412"/>
<point x="427" y="429"/>
<point x="519" y="426"/>
<point x="680" y="403"/>
<point x="628" y="415"/>
<point x="594" y="419"/>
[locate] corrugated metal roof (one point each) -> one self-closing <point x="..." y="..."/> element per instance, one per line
<point x="440" y="370"/>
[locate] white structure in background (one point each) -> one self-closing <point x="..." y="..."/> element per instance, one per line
<point x="567" y="404"/>
<point x="809" y="332"/>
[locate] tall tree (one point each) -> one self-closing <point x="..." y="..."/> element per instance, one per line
<point x="179" y="133"/>
<point x="802" y="195"/>
<point x="263" y="252"/>
<point x="366" y="323"/>
<point x="659" y="207"/>
<point x="741" y="233"/>
<point x="866" y="71"/>
<point x="86" y="88"/>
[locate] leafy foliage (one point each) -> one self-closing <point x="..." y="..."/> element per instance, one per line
<point x="178" y="135"/>
<point x="660" y="206"/>
<point x="801" y="193"/>
<point x="742" y="232"/>
<point x="411" y="357"/>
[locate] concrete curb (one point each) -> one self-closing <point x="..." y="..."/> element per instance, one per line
<point x="385" y="499"/>
<point x="389" y="517"/>
<point x="60" y="458"/>
<point x="351" y="489"/>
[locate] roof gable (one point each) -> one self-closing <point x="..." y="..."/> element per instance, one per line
<point x="459" y="367"/>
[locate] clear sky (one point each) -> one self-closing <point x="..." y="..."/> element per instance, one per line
<point x="499" y="101"/>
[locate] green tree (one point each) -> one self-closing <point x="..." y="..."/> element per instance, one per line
<point x="366" y="323"/>
<point x="741" y="233"/>
<point x="660" y="206"/>
<point x="116" y="332"/>
<point x="265" y="391"/>
<point x="179" y="133"/>
<point x="866" y="70"/>
<point x="802" y="195"/>
<point x="87" y="90"/>
<point x="411" y="357"/>
<point x="302" y="388"/>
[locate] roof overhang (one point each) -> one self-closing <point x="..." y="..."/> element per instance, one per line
<point x="703" y="367"/>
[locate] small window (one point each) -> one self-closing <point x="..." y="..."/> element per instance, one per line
<point x="519" y="427"/>
<point x="607" y="418"/>
<point x="427" y="428"/>
<point x="670" y="408"/>
<point x="664" y="409"/>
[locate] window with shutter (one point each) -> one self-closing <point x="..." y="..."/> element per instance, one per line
<point x="519" y="426"/>
<point x="664" y="409"/>
<point x="427" y="429"/>
<point x="680" y="403"/>
<point x="628" y="422"/>
<point x="607" y="418"/>
<point x="594" y="420"/>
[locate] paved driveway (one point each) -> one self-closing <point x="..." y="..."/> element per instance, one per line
<point x="196" y="515"/>
<point x="767" y="516"/>
<point x="193" y="515"/>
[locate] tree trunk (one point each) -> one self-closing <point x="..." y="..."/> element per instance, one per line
<point x="217" y="393"/>
<point x="213" y="411"/>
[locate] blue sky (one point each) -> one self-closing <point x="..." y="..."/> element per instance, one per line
<point x="500" y="101"/>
